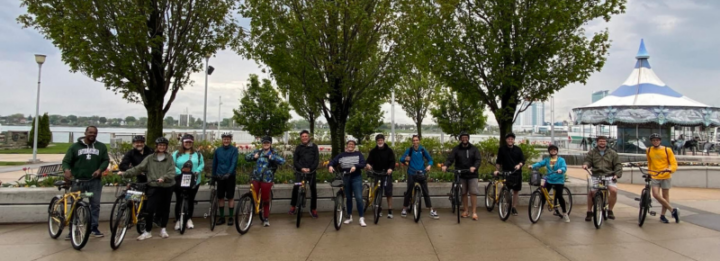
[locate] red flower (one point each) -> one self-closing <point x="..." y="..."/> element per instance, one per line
<point x="24" y="169"/>
<point x="45" y="175"/>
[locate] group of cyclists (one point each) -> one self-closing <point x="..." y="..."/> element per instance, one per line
<point x="161" y="170"/>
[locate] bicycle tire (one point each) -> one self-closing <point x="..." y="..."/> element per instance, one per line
<point x="81" y="221"/>
<point x="536" y="206"/>
<point x="490" y="196"/>
<point x="339" y="210"/>
<point x="567" y="195"/>
<point x="56" y="213"/>
<point x="299" y="206"/>
<point x="504" y="204"/>
<point x="270" y="203"/>
<point x="456" y="200"/>
<point x="643" y="208"/>
<point x="377" y="205"/>
<point x="183" y="215"/>
<point x="117" y="235"/>
<point x="417" y="203"/>
<point x="598" y="210"/>
<point x="116" y="205"/>
<point x="142" y="218"/>
<point x="366" y="197"/>
<point x="245" y="207"/>
<point x="214" y="209"/>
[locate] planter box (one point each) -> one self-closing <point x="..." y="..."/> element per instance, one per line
<point x="685" y="176"/>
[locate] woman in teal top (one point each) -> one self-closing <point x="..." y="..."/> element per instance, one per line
<point x="555" y="178"/>
<point x="187" y="153"/>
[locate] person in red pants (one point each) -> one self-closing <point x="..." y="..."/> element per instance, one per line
<point x="267" y="160"/>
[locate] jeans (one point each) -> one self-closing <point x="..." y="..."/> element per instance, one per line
<point x="353" y="185"/>
<point x="94" y="186"/>
<point x="313" y="191"/>
<point x="408" y="193"/>
<point x="265" y="188"/>
<point x="158" y="207"/>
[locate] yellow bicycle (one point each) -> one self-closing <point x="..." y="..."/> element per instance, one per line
<point x="496" y="192"/>
<point x="372" y="196"/>
<point x="249" y="205"/>
<point x="69" y="209"/>
<point x="541" y="196"/>
<point x="129" y="214"/>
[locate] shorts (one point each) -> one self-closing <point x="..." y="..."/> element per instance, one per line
<point x="662" y="183"/>
<point x="514" y="182"/>
<point x="388" y="186"/>
<point x="226" y="188"/>
<point x="471" y="184"/>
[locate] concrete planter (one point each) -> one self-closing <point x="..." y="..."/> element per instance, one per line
<point x="685" y="176"/>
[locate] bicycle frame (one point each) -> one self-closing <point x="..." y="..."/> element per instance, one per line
<point x="499" y="183"/>
<point x="68" y="211"/>
<point x="257" y="198"/>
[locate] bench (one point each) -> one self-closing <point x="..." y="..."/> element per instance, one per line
<point x="43" y="172"/>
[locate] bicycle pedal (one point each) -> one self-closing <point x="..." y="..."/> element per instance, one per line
<point x="653" y="213"/>
<point x="637" y="199"/>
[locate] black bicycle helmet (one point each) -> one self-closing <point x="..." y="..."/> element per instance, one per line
<point x="463" y="134"/>
<point x="267" y="139"/>
<point x="510" y="135"/>
<point x="188" y="137"/>
<point x="138" y="139"/>
<point x="553" y="147"/>
<point x="226" y="135"/>
<point x="379" y="136"/>
<point x="161" y="140"/>
<point x="655" y="136"/>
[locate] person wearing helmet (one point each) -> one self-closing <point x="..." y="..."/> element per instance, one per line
<point x="136" y="155"/>
<point x="159" y="168"/>
<point x="415" y="158"/>
<point x="353" y="162"/>
<point x="223" y="172"/>
<point x="511" y="158"/>
<point x="555" y="178"/>
<point x="306" y="159"/>
<point x="603" y="160"/>
<point x="267" y="161"/>
<point x="186" y="153"/>
<point x="661" y="161"/>
<point x="382" y="158"/>
<point x="466" y="156"/>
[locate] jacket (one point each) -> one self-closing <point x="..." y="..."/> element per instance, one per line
<point x="603" y="164"/>
<point x="553" y="177"/>
<point x="265" y="165"/>
<point x="225" y="161"/>
<point x="464" y="158"/>
<point x="660" y="159"/>
<point x="417" y="159"/>
<point x="347" y="160"/>
<point x="509" y="157"/>
<point x="133" y="158"/>
<point x="155" y="169"/>
<point x="306" y="156"/>
<point x="381" y="158"/>
<point x="196" y="159"/>
<point x="84" y="159"/>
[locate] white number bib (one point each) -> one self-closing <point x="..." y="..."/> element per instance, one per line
<point x="186" y="178"/>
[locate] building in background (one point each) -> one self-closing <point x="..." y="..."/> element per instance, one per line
<point x="184" y="120"/>
<point x="598" y="95"/>
<point x="532" y="117"/>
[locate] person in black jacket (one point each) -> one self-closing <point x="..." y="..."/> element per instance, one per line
<point x="306" y="158"/>
<point x="382" y="158"/>
<point x="511" y="158"/>
<point x="135" y="156"/>
<point x="466" y="156"/>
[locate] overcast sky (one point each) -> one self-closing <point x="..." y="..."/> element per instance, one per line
<point x="681" y="37"/>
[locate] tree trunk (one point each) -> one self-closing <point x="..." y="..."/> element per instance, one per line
<point x="155" y="122"/>
<point x="505" y="125"/>
<point x="419" y="129"/>
<point x="312" y="126"/>
<point x="337" y="135"/>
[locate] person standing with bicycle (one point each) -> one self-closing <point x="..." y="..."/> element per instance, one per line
<point x="555" y="178"/>
<point x="382" y="158"/>
<point x="511" y="158"/>
<point x="87" y="159"/>
<point x="415" y="157"/>
<point x="223" y="171"/>
<point x="184" y="154"/>
<point x="267" y="160"/>
<point x="466" y="156"/>
<point x="305" y="160"/>
<point x="602" y="160"/>
<point x="159" y="170"/>
<point x="661" y="160"/>
<point x="353" y="162"/>
<point x="135" y="156"/>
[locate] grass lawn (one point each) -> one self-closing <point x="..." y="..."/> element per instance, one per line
<point x="54" y="148"/>
<point x="12" y="163"/>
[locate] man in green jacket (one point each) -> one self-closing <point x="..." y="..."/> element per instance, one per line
<point x="86" y="160"/>
<point x="603" y="161"/>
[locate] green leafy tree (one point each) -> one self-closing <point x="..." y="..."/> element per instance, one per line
<point x="511" y="53"/>
<point x="142" y="121"/>
<point x="260" y="112"/>
<point x="416" y="92"/>
<point x="365" y="119"/>
<point x="304" y="104"/>
<point x="44" y="134"/>
<point x="142" y="50"/>
<point x="457" y="112"/>
<point x="130" y="120"/>
<point x="169" y="121"/>
<point x="72" y="119"/>
<point x="103" y="120"/>
<point x="55" y="119"/>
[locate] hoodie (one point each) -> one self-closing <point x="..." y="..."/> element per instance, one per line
<point x="417" y="159"/>
<point x="83" y="159"/>
<point x="381" y="158"/>
<point x="306" y="156"/>
<point x="464" y="158"/>
<point x="155" y="169"/>
<point x="225" y="161"/>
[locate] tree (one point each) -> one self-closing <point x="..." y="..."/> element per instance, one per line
<point x="260" y="113"/>
<point x="72" y="119"/>
<point x="169" y="121"/>
<point x="304" y="105"/>
<point x="149" y="48"/>
<point x="102" y="120"/>
<point x="44" y="134"/>
<point x="509" y="54"/>
<point x="130" y="120"/>
<point x="457" y="112"/>
<point x="335" y="51"/>
<point x="365" y="119"/>
<point x="225" y="122"/>
<point x="416" y="91"/>
<point x="55" y="119"/>
<point x="142" y="121"/>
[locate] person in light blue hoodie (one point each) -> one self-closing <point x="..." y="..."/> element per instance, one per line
<point x="187" y="153"/>
<point x="555" y="178"/>
<point x="415" y="157"/>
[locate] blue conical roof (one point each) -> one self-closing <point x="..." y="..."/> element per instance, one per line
<point x="642" y="53"/>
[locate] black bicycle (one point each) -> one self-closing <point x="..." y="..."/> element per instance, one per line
<point x="645" y="199"/>
<point x="599" y="186"/>
<point x="455" y="191"/>
<point x="188" y="182"/>
<point x="416" y="194"/>
<point x="212" y="212"/>
<point x="339" y="199"/>
<point x="303" y="184"/>
<point x="372" y="195"/>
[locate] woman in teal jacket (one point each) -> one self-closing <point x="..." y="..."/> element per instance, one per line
<point x="555" y="178"/>
<point x="187" y="153"/>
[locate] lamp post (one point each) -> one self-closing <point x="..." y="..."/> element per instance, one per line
<point x="40" y="59"/>
<point x="208" y="71"/>
<point x="552" y="119"/>
<point x="219" y="117"/>
<point x="392" y="116"/>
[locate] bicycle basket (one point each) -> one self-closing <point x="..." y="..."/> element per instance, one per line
<point x="133" y="195"/>
<point x="535" y="178"/>
<point x="337" y="183"/>
<point x="420" y="177"/>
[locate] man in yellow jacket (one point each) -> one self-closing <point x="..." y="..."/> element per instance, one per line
<point x="661" y="160"/>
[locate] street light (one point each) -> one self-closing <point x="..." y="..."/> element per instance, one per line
<point x="552" y="119"/>
<point x="40" y="59"/>
<point x="208" y="71"/>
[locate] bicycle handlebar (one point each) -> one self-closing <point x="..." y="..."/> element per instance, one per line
<point x="645" y="171"/>
<point x="606" y="174"/>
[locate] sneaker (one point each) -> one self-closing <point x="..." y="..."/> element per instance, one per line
<point x="96" y="233"/>
<point x="292" y="211"/>
<point x="177" y="225"/>
<point x="434" y="214"/>
<point x="390" y="216"/>
<point x="220" y="221"/>
<point x="164" y="234"/>
<point x="230" y="221"/>
<point x="664" y="220"/>
<point x="589" y="216"/>
<point x="190" y="224"/>
<point x="362" y="222"/>
<point x="313" y="213"/>
<point x="348" y="221"/>
<point x="514" y="212"/>
<point x="145" y="235"/>
<point x="610" y="215"/>
<point x="403" y="213"/>
<point x="676" y="214"/>
<point x="566" y="218"/>
<point x="266" y="223"/>
<point x="381" y="214"/>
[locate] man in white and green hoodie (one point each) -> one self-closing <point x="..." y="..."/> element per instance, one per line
<point x="86" y="160"/>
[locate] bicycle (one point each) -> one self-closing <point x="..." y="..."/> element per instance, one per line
<point x="645" y="199"/>
<point x="248" y="205"/>
<point x="339" y="199"/>
<point x="600" y="200"/>
<point x="132" y="207"/>
<point x="302" y="193"/>
<point x="374" y="195"/>
<point x="417" y="195"/>
<point x="455" y="191"/>
<point x="212" y="211"/>
<point x="77" y="215"/>
<point x="503" y="199"/>
<point x="188" y="182"/>
<point x="541" y="196"/>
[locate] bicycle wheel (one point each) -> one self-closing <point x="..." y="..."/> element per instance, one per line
<point x="119" y="201"/>
<point x="505" y="203"/>
<point x="56" y="217"/>
<point x="213" y="209"/>
<point x="567" y="195"/>
<point x="117" y="235"/>
<point x="643" y="208"/>
<point x="272" y="196"/>
<point x="141" y="217"/>
<point x="456" y="201"/>
<point x="535" y="208"/>
<point x="598" y="209"/>
<point x="417" y="203"/>
<point x="183" y="215"/>
<point x="299" y="206"/>
<point x="377" y="205"/>
<point x="339" y="210"/>
<point x="365" y="197"/>
<point x="244" y="211"/>
<point x="490" y="196"/>
<point x="80" y="226"/>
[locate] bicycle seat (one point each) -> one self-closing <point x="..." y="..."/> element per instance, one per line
<point x="60" y="183"/>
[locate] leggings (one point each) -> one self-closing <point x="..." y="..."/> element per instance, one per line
<point x="558" y="194"/>
<point x="191" y="201"/>
<point x="423" y="186"/>
<point x="265" y="188"/>
<point x="158" y="205"/>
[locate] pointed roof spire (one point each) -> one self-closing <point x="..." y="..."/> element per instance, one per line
<point x="642" y="53"/>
